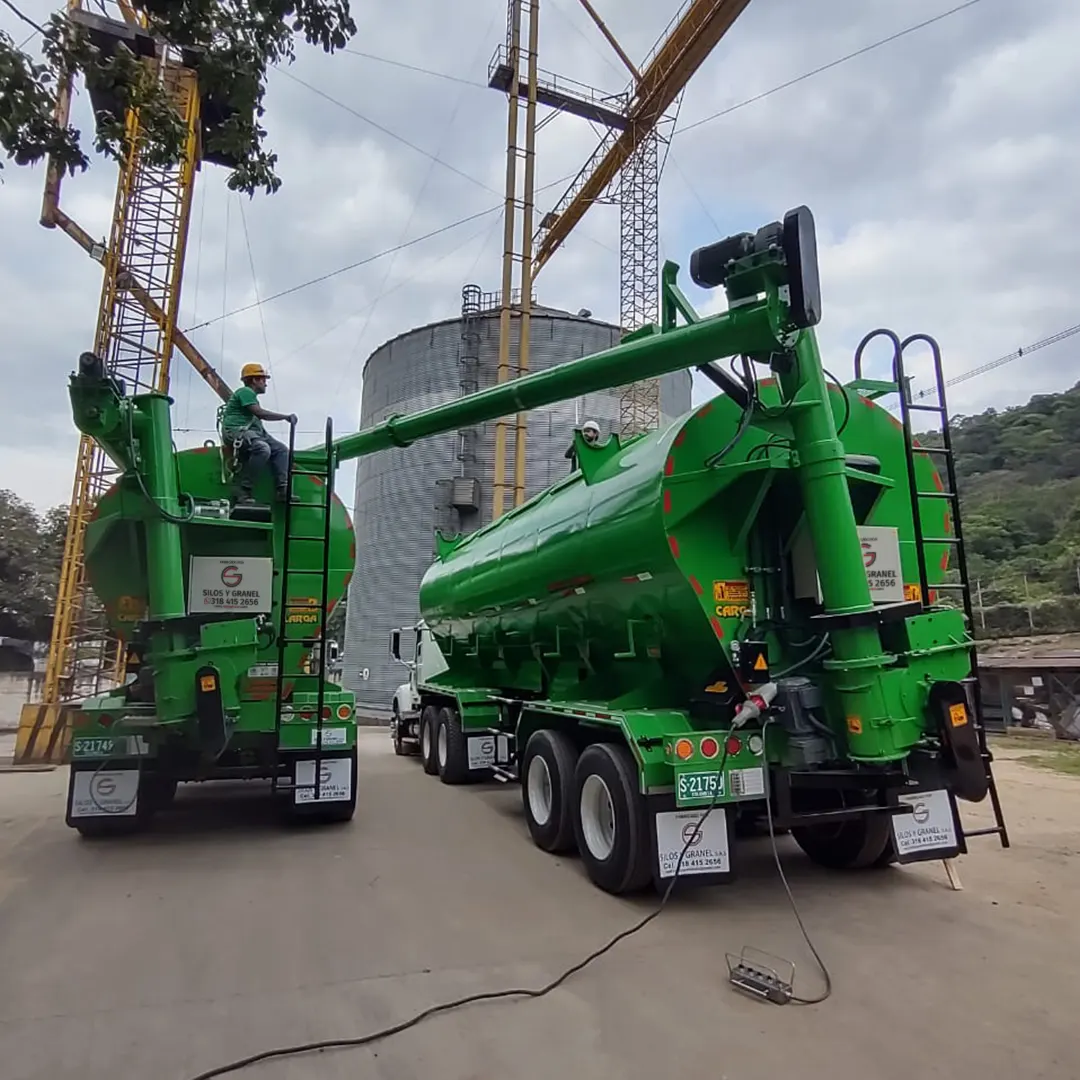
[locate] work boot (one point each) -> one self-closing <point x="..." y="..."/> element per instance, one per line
<point x="281" y="493"/>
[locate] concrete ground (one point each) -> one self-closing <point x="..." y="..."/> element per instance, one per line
<point x="221" y="934"/>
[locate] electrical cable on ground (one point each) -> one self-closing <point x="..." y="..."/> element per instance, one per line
<point x="827" y="992"/>
<point x="491" y="995"/>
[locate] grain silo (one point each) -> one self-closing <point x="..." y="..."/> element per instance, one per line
<point x="404" y="495"/>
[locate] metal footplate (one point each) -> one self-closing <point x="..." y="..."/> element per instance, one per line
<point x="750" y="973"/>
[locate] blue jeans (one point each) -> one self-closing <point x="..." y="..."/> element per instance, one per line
<point x="257" y="450"/>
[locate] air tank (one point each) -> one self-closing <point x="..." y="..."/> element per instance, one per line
<point x="447" y="482"/>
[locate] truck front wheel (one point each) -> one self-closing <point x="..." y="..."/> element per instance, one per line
<point x="547" y="789"/>
<point x="451" y="753"/>
<point x="611" y="820"/>
<point x="429" y="721"/>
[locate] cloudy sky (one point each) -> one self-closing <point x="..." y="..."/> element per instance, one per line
<point x="941" y="168"/>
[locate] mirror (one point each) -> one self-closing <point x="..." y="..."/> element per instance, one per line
<point x="395" y="644"/>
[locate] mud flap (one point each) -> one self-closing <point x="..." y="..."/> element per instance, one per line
<point x="709" y="858"/>
<point x="210" y="712"/>
<point x="965" y="771"/>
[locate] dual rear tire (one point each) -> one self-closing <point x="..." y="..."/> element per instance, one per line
<point x="590" y="802"/>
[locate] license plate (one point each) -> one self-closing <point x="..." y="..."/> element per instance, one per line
<point x="82" y="748"/>
<point x="695" y="786"/>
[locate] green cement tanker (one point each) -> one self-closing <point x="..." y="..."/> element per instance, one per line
<point x="749" y="602"/>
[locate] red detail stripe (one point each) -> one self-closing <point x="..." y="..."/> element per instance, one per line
<point x="602" y="716"/>
<point x="945" y="561"/>
<point x="201" y="450"/>
<point x="679" y="439"/>
<point x="317" y="480"/>
<point x="948" y="523"/>
<point x="696" y="585"/>
<point x="937" y="482"/>
<point x="667" y="500"/>
<point x="570" y="583"/>
<point x="674" y="545"/>
<point x="705" y="409"/>
<point x="718" y="630"/>
<point x="633" y="578"/>
<point x="669" y="466"/>
<point x="352" y="552"/>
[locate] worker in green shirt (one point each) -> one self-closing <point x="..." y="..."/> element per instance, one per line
<point x="241" y="425"/>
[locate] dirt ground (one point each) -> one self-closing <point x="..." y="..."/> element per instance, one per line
<point x="221" y="934"/>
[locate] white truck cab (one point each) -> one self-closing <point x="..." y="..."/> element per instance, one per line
<point x="425" y="662"/>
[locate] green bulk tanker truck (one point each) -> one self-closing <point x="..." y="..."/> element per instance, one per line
<point x="759" y="611"/>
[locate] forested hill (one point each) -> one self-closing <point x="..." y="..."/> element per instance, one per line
<point x="1019" y="479"/>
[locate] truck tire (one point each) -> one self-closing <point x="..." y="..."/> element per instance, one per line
<point x="846" y="845"/>
<point x="429" y="720"/>
<point x="399" y="743"/>
<point x="451" y="753"/>
<point x="611" y="821"/>
<point x="547" y="789"/>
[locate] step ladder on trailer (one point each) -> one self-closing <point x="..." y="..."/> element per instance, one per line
<point x="950" y="494"/>
<point x="305" y="575"/>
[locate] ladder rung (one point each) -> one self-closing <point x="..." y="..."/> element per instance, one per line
<point x="295" y="571"/>
<point x="990" y="830"/>
<point x="912" y="407"/>
<point x="932" y="450"/>
<point x="925" y="540"/>
<point x="937" y="495"/>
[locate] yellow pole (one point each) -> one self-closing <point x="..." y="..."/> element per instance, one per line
<point x="528" y="198"/>
<point x="509" y="216"/>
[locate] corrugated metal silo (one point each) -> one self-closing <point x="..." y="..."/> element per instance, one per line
<point x="446" y="482"/>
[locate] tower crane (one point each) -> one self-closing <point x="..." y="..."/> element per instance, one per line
<point x="136" y="333"/>
<point x="625" y="164"/>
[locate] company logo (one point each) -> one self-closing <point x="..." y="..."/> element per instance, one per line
<point x="921" y="813"/>
<point x="869" y="554"/>
<point x="231" y="577"/>
<point x="688" y="832"/>
<point x="105" y="787"/>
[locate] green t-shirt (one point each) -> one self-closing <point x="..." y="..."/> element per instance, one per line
<point x="237" y="415"/>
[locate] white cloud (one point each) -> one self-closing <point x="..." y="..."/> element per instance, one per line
<point x="940" y="168"/>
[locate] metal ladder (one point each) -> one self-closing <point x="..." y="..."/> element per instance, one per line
<point x="956" y="541"/>
<point x="294" y="578"/>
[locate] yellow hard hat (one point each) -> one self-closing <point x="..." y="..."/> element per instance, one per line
<point x="253" y="371"/>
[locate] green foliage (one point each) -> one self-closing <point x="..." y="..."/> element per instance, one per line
<point x="31" y="551"/>
<point x="1019" y="479"/>
<point x="236" y="42"/>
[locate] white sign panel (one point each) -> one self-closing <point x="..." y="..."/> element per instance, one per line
<point x="335" y="781"/>
<point x="331" y="736"/>
<point x="481" y="751"/>
<point x="881" y="557"/>
<point x="708" y="854"/>
<point x="229" y="585"/>
<point x="930" y="824"/>
<point x="108" y="793"/>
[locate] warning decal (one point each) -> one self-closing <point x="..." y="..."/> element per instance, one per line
<point x="731" y="592"/>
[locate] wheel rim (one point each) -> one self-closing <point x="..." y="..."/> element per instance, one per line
<point x="597" y="817"/>
<point x="425" y="740"/>
<point x="539" y="790"/>
<point x="442" y="744"/>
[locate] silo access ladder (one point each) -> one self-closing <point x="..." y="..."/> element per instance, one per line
<point x="956" y="541"/>
<point x="305" y="569"/>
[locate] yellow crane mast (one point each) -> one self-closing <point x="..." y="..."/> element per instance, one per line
<point x="630" y="153"/>
<point x="625" y="167"/>
<point x="136" y="333"/>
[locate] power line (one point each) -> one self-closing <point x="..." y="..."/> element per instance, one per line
<point x="826" y="67"/>
<point x="419" y="70"/>
<point x="344" y="269"/>
<point x="386" y="131"/>
<point x="1053" y="339"/>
